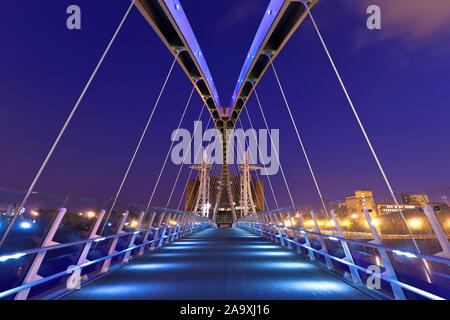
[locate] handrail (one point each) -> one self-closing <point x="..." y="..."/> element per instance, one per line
<point x="186" y="228"/>
<point x="250" y="225"/>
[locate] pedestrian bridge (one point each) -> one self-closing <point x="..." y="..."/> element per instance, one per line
<point x="225" y="264"/>
<point x="172" y="254"/>
<point x="193" y="259"/>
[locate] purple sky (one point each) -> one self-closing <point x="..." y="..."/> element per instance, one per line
<point x="398" y="77"/>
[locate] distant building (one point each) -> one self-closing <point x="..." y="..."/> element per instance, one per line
<point x="414" y="198"/>
<point x="363" y="199"/>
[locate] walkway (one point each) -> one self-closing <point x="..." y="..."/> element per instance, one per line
<point x="219" y="264"/>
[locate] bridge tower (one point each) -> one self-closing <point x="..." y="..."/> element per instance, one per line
<point x="202" y="203"/>
<point x="246" y="192"/>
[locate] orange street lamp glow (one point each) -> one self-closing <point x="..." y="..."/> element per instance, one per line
<point x="90" y="214"/>
<point x="415" y="223"/>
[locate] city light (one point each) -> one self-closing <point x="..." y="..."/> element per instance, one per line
<point x="287" y="223"/>
<point x="354" y="216"/>
<point x="90" y="214"/>
<point x="25" y="225"/>
<point x="345" y="223"/>
<point x="415" y="223"/>
<point x="34" y="213"/>
<point x="134" y="224"/>
<point x="309" y="223"/>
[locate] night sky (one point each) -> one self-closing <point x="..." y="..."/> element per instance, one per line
<point x="398" y="77"/>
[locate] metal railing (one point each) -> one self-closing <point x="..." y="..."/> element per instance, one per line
<point x="402" y="274"/>
<point x="171" y="225"/>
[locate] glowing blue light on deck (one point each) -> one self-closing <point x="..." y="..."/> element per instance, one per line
<point x="109" y="224"/>
<point x="320" y="285"/>
<point x="251" y="246"/>
<point x="287" y="265"/>
<point x="180" y="247"/>
<point x="403" y="253"/>
<point x="275" y="253"/>
<point x="151" y="266"/>
<point x="25" y="225"/>
<point x="12" y="256"/>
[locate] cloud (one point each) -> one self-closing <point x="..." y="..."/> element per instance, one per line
<point x="240" y="11"/>
<point x="415" y="23"/>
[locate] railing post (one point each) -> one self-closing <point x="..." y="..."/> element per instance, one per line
<point x="261" y="222"/>
<point x="166" y="227"/>
<point x="286" y="232"/>
<point x="127" y="255"/>
<point x="112" y="247"/>
<point x="175" y="227"/>
<point x="273" y="226"/>
<point x="149" y="228"/>
<point x="181" y="226"/>
<point x="157" y="230"/>
<point x="389" y="269"/>
<point x="348" y="254"/>
<point x="32" y="274"/>
<point x="322" y="242"/>
<point x="437" y="229"/>
<point x="92" y="235"/>
<point x="303" y="231"/>
<point x="296" y="239"/>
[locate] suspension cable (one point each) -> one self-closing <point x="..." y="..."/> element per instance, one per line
<point x="268" y="177"/>
<point x="184" y="157"/>
<point x="276" y="152"/>
<point x="299" y="139"/>
<point x="168" y="151"/>
<point x="256" y="171"/>
<point x="386" y="180"/>
<point x="63" y="129"/>
<point x="190" y="173"/>
<point x="138" y="145"/>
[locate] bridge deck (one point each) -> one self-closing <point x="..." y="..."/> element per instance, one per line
<point x="219" y="264"/>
